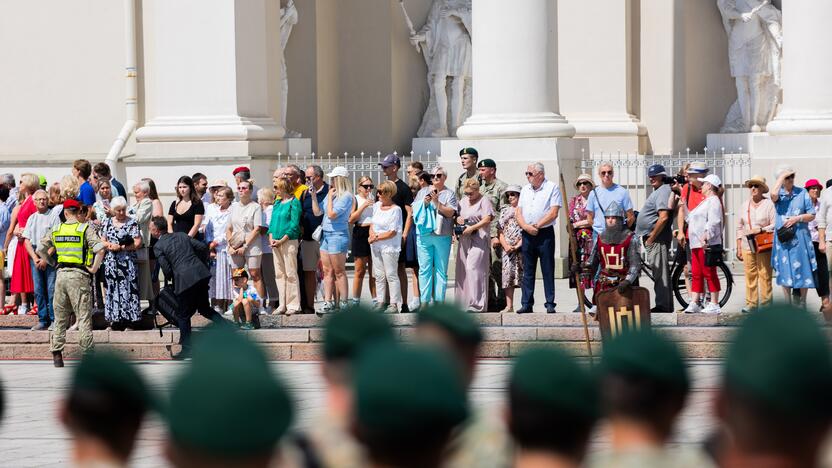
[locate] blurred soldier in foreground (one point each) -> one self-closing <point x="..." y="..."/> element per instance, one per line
<point x="104" y="410"/>
<point x="408" y="400"/>
<point x="775" y="401"/>
<point x="553" y="407"/>
<point x="328" y="441"/>
<point x="482" y="440"/>
<point x="644" y="385"/>
<point x="207" y="426"/>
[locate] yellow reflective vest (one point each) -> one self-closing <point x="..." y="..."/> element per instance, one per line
<point x="70" y="244"/>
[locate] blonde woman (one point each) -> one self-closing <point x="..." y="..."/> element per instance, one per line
<point x="158" y="210"/>
<point x="284" y="235"/>
<point x="473" y="252"/>
<point x="265" y="197"/>
<point x="385" y="241"/>
<point x="361" y="218"/>
<point x="335" y="236"/>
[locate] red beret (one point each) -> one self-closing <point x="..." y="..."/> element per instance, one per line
<point x="70" y="203"/>
<point x="240" y="169"/>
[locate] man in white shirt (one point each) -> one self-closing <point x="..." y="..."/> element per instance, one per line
<point x="540" y="201"/>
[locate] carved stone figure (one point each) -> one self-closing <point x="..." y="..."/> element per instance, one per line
<point x="288" y="18"/>
<point x="445" y="41"/>
<point x="755" y="45"/>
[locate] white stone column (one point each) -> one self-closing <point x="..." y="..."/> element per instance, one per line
<point x="213" y="79"/>
<point x="596" y="73"/>
<point x="807" y="71"/>
<point x="515" y="64"/>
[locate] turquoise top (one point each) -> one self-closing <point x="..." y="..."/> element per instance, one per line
<point x="285" y="220"/>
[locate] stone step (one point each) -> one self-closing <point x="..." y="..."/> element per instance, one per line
<point x="567" y="319"/>
<point x="304" y="343"/>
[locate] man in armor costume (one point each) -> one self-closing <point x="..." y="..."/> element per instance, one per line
<point x="616" y="251"/>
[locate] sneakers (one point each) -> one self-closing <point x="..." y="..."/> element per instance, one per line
<point x="712" y="308"/>
<point x="23" y="309"/>
<point x="414" y="305"/>
<point x="73" y="327"/>
<point x="693" y="308"/>
<point x="391" y="309"/>
<point x="343" y="305"/>
<point x="230" y="310"/>
<point x="247" y="326"/>
<point x="40" y="326"/>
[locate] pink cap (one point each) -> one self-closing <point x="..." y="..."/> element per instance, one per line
<point x="813" y="183"/>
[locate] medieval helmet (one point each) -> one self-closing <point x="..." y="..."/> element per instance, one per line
<point x="614" y="210"/>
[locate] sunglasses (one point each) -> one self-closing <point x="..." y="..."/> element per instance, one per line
<point x="438" y="176"/>
<point x="603" y="173"/>
<point x="243" y="187"/>
<point x="584" y="183"/>
<point x="790" y="177"/>
<point x="530" y="174"/>
<point x="369" y="187"/>
<point x="754" y="185"/>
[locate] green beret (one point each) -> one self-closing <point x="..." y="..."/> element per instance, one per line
<point x="346" y="332"/>
<point x="472" y="151"/>
<point x="461" y="325"/>
<point x="108" y="373"/>
<point x="781" y="358"/>
<point x="201" y="418"/>
<point x="408" y="389"/>
<point x="554" y="380"/>
<point x="645" y="354"/>
<point x="487" y="163"/>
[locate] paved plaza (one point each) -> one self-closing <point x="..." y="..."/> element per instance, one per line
<point x="30" y="435"/>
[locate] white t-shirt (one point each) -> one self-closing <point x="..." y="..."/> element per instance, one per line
<point x="248" y="293"/>
<point x="364" y="219"/>
<point x="386" y="221"/>
<point x="705" y="223"/>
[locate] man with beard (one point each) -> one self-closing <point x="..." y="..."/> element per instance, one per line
<point x="616" y="252"/>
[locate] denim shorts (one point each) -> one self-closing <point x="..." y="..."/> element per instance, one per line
<point x="335" y="242"/>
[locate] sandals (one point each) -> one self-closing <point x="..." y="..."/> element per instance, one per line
<point x="9" y="309"/>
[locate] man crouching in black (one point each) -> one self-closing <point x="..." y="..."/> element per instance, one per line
<point x="186" y="261"/>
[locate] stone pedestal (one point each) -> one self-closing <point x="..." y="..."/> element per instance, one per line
<point x="213" y="84"/>
<point x="560" y="156"/>
<point x="423" y="146"/>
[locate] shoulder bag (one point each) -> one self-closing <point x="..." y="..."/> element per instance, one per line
<point x="760" y="242"/>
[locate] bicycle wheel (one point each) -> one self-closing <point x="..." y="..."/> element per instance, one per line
<point x="680" y="290"/>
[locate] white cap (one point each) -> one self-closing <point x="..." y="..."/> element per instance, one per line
<point x="712" y="179"/>
<point x="339" y="171"/>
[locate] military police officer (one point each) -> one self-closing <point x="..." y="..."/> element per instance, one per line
<point x="493" y="189"/>
<point x="79" y="253"/>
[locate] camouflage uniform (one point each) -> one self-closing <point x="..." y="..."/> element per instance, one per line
<point x="494" y="193"/>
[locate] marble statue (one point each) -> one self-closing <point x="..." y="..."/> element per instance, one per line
<point x="445" y="41"/>
<point x="288" y="18"/>
<point x="755" y="45"/>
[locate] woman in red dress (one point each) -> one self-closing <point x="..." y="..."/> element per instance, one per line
<point x="22" y="283"/>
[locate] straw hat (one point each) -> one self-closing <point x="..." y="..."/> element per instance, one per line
<point x="584" y="178"/>
<point x="759" y="180"/>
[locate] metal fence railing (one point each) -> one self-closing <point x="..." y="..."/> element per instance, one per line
<point x="631" y="172"/>
<point x="358" y="164"/>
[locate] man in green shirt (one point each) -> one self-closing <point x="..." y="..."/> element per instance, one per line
<point x="468" y="157"/>
<point x="493" y="189"/>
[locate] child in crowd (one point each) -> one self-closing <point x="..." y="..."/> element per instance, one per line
<point x="246" y="299"/>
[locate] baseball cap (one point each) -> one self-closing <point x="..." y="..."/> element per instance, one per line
<point x="390" y="160"/>
<point x="656" y="170"/>
<point x="339" y="171"/>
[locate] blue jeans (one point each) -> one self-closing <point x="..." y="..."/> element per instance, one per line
<point x="542" y="247"/>
<point x="434" y="252"/>
<point x="44" y="293"/>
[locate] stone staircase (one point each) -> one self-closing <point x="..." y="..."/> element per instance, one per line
<point x="298" y="337"/>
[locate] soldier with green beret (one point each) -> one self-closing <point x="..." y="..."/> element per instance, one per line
<point x="207" y="431"/>
<point x="493" y="189"/>
<point x="468" y="157"/>
<point x="408" y="401"/>
<point x="328" y="439"/>
<point x="104" y="410"/>
<point x="482" y="440"/>
<point x="774" y="401"/>
<point x="553" y="408"/>
<point x="644" y="384"/>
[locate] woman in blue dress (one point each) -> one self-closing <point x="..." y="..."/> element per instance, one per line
<point x="793" y="260"/>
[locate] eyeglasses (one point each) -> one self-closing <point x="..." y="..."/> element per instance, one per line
<point x="243" y="187"/>
<point x="603" y="173"/>
<point x="369" y="187"/>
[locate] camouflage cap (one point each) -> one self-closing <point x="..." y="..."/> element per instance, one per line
<point x="781" y="357"/>
<point x="461" y="325"/>
<point x="347" y="332"/>
<point x="643" y="353"/>
<point x="408" y="389"/>
<point x="554" y="380"/>
<point x="227" y="363"/>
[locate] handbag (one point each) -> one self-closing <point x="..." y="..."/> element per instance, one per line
<point x="762" y="241"/>
<point x="713" y="255"/>
<point x="786" y="234"/>
<point x="238" y="238"/>
<point x="317" y="233"/>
